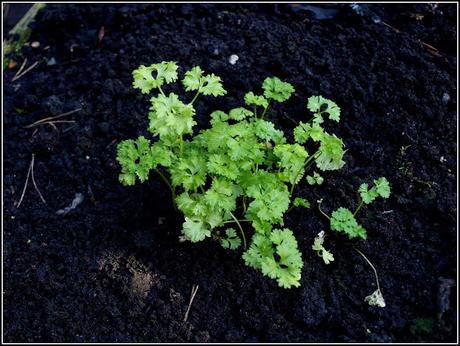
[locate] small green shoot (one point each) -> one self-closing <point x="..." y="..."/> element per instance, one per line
<point x="319" y="248"/>
<point x="344" y="221"/>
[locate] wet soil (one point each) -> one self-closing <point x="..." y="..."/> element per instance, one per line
<point x="113" y="270"/>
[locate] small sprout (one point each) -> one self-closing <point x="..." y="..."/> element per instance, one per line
<point x="343" y="220"/>
<point x="381" y="188"/>
<point x="232" y="241"/>
<point x="319" y="248"/>
<point x="376" y="298"/>
<point x="301" y="202"/>
<point x="315" y="179"/>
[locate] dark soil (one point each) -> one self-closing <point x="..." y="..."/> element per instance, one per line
<point x="112" y="269"/>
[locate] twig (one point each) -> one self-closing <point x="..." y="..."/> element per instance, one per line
<point x="110" y="144"/>
<point x="429" y="47"/>
<point x="25" y="185"/>
<point x="52" y="119"/>
<point x="20" y="69"/>
<point x="33" y="180"/>
<point x="194" y="290"/>
<point x="16" y="76"/>
<point x="30" y="172"/>
<point x="391" y="27"/>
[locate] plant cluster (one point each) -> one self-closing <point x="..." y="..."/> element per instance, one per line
<point x="241" y="170"/>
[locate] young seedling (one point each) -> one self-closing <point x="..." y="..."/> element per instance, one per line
<point x="315" y="179"/>
<point x="343" y="220"/>
<point x="376" y="297"/>
<point x="319" y="248"/>
<point x="240" y="171"/>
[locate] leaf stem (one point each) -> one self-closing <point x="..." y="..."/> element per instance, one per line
<point x="265" y="110"/>
<point x="195" y="97"/>
<point x="232" y="221"/>
<point x="181" y="145"/>
<point x="173" y="193"/>
<point x="359" y="208"/>
<point x="241" y="229"/>
<point x="372" y="266"/>
<point x="306" y="165"/>
<point x="161" y="91"/>
<point x="321" y="211"/>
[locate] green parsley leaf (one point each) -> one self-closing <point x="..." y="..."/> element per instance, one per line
<point x="193" y="79"/>
<point x="144" y="80"/>
<point x="251" y="99"/>
<point x="195" y="230"/>
<point x="240" y="113"/>
<point x="316" y="103"/>
<point x="342" y="220"/>
<point x="276" y="89"/>
<point x="291" y="161"/>
<point x="232" y="241"/>
<point x="136" y="160"/>
<point x="301" y="202"/>
<point x="331" y="153"/>
<point x="315" y="179"/>
<point x="277" y="256"/>
<point x="382" y="186"/>
<point x="168" y="115"/>
<point x="212" y="85"/>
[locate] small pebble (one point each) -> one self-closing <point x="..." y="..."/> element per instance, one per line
<point x="51" y="62"/>
<point x="376" y="19"/>
<point x="233" y="59"/>
<point x="445" y="98"/>
<point x="216" y="51"/>
<point x="35" y="44"/>
<point x="442" y="159"/>
<point x="87" y="157"/>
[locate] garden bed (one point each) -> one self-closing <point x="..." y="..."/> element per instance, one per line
<point x="113" y="270"/>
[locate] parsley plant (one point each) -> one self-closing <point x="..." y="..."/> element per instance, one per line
<point x="239" y="171"/>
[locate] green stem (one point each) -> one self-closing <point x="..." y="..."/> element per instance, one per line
<point x="290" y="208"/>
<point x="359" y="207"/>
<point x="161" y="91"/>
<point x="232" y="221"/>
<point x="305" y="167"/>
<point x="244" y="203"/>
<point x="265" y="110"/>
<point x="321" y="211"/>
<point x="173" y="193"/>
<point x="241" y="229"/>
<point x="195" y="97"/>
<point x="181" y="145"/>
